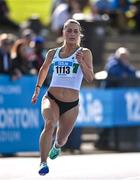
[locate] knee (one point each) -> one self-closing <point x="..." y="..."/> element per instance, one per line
<point x="49" y="126"/>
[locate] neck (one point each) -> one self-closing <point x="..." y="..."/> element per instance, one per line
<point x="70" y="47"/>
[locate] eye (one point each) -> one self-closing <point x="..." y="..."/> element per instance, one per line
<point x="75" y="31"/>
<point x="72" y="30"/>
<point x="69" y="30"/>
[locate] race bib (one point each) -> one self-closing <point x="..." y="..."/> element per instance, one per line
<point x="63" y="68"/>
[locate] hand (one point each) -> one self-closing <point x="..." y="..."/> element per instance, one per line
<point x="79" y="57"/>
<point x="35" y="97"/>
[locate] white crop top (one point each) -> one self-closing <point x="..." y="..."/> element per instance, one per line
<point x="66" y="71"/>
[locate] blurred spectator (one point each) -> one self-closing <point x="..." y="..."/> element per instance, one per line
<point x="137" y="16"/>
<point x="118" y="67"/>
<point x="100" y="10"/>
<point x="35" y="24"/>
<point x="6" y="42"/>
<point x="121" y="7"/>
<point x="134" y="17"/>
<point x="120" y="72"/>
<point x="62" y="13"/>
<point x="21" y="64"/>
<point x="40" y="52"/>
<point x="4" y="16"/>
<point x="116" y="10"/>
<point x="55" y="3"/>
<point x="28" y="36"/>
<point x="102" y="6"/>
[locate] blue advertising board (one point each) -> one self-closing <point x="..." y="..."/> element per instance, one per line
<point x="95" y="108"/>
<point x="109" y="107"/>
<point x="21" y="122"/>
<point x="126" y="107"/>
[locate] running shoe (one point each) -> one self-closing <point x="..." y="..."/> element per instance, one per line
<point x="54" y="152"/>
<point x="44" y="169"/>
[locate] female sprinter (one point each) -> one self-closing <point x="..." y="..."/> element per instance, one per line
<point x="60" y="104"/>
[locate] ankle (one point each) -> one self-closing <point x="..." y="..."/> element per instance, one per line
<point x="43" y="163"/>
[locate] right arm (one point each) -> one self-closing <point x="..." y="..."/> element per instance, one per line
<point x="43" y="74"/>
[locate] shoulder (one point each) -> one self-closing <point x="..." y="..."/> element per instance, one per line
<point x="86" y="51"/>
<point x="111" y="62"/>
<point x="50" y="54"/>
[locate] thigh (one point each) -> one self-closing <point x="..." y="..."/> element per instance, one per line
<point x="67" y="121"/>
<point x="49" y="109"/>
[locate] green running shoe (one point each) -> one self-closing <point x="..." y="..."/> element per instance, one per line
<point x="54" y="152"/>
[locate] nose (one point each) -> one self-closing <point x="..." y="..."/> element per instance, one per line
<point x="72" y="32"/>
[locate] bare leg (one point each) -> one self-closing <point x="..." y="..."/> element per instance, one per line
<point x="45" y="141"/>
<point x="66" y="124"/>
<point x="51" y="115"/>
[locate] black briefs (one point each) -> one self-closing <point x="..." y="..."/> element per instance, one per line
<point x="63" y="106"/>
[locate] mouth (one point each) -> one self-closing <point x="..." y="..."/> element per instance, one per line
<point x="72" y="39"/>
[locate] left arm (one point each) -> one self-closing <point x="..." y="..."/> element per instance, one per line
<point x="84" y="58"/>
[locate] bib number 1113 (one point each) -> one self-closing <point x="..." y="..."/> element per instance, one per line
<point x="62" y="69"/>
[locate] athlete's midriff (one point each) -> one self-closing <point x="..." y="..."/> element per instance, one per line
<point x="64" y="94"/>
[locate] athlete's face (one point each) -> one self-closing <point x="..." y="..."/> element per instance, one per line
<point x="71" y="33"/>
